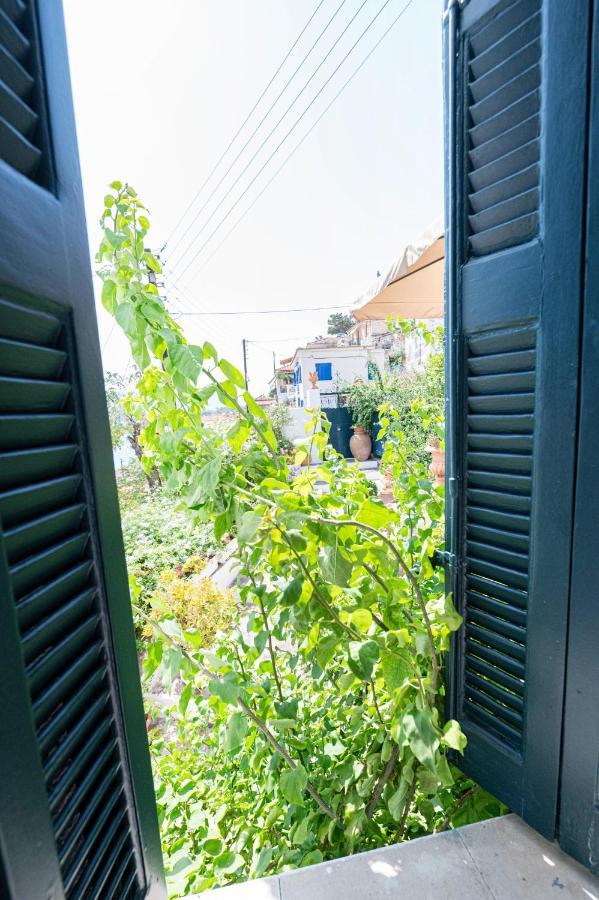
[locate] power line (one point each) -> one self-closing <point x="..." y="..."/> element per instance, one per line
<point x="240" y="129"/>
<point x="265" y="312"/>
<point x="293" y="127"/>
<point x="307" y="134"/>
<point x="259" y="125"/>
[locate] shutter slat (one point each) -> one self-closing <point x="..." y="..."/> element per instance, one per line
<point x="16" y="113"/>
<point x="19" y="359"/>
<point x="521" y="85"/>
<point x="502" y="574"/>
<point x="34" y="535"/>
<point x="495" y="657"/>
<point x="102" y="833"/>
<point x="494" y="640"/>
<point x="501" y="442"/>
<point x="489" y="721"/>
<point x="513" y="687"/>
<point x="97" y="799"/>
<point x="17" y="151"/>
<point x="50" y="596"/>
<point x="49" y="629"/>
<point x="34" y="431"/>
<point x="36" y="464"/>
<point x="20" y="394"/>
<point x="61" y="790"/>
<point x="500" y="424"/>
<point x="70" y="711"/>
<point x="498" y="536"/>
<point x="43" y="671"/>
<point x="495" y="690"/>
<point x="57" y="693"/>
<point x="486" y="701"/>
<point x="29" y="501"/>
<point x="109" y="880"/>
<point x="36" y="570"/>
<point x="12" y="38"/>
<point x="512" y="361"/>
<point x="489" y="53"/>
<point x="518" y="463"/>
<point x="57" y="762"/>
<point x="496" y="607"/>
<point x="30" y="326"/>
<point x="497" y="590"/>
<point x="508" y="68"/>
<point x="499" y="625"/>
<point x="496" y="554"/>
<point x="498" y="500"/>
<point x="497" y="518"/>
<point x="501" y="403"/>
<point x="103" y="766"/>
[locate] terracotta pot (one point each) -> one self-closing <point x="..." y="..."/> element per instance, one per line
<point x="437" y="466"/>
<point x="360" y="444"/>
<point x="386" y="489"/>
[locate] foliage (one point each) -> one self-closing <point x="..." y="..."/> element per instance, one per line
<point x="116" y="386"/>
<point x="363" y="401"/>
<point x="132" y="486"/>
<point x="196" y="603"/>
<point x="279" y="416"/>
<point x="339" y="323"/>
<point x="323" y="714"/>
<point x="158" y="536"/>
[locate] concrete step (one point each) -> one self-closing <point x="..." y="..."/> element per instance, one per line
<point x="500" y="859"/>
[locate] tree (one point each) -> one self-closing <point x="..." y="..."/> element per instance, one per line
<point x="123" y="424"/>
<point x="339" y="323"/>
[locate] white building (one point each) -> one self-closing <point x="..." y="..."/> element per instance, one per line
<point x="331" y="368"/>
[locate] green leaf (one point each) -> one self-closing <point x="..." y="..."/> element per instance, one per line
<point x="232" y="373"/>
<point x="293" y="591"/>
<point x="248" y="527"/>
<point x="362" y="657"/>
<point x="227" y="691"/>
<point x="126" y="317"/>
<point x="375" y="514"/>
<point x="238" y="435"/>
<point x="395" y="670"/>
<point x="206" y="481"/>
<point x="109" y="295"/>
<point x="451" y="616"/>
<point x="183" y="360"/>
<point x="422" y="736"/>
<point x="454" y="737"/>
<point x="149" y="258"/>
<point x="210" y="351"/>
<point x="186" y="695"/>
<point x="293" y="784"/>
<point x="253" y="406"/>
<point x="229" y="862"/>
<point x="396" y="801"/>
<point x="235" y="732"/>
<point x="212" y="846"/>
<point x="362" y="619"/>
<point x="334" y="567"/>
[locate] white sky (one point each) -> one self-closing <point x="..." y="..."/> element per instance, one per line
<point x="160" y="88"/>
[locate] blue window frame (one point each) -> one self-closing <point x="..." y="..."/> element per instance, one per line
<point x="297" y="375"/>
<point x="324" y="371"/>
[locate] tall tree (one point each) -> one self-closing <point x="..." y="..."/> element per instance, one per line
<point x="339" y="323"/>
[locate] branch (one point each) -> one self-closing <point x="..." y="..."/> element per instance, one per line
<point x="402" y="829"/>
<point x="246" y="709"/>
<point x="409" y="575"/>
<point x="380" y="785"/>
<point x="269" y="639"/>
<point x="457" y="807"/>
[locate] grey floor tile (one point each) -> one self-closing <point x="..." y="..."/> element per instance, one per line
<point x="516" y="862"/>
<point x="437" y="868"/>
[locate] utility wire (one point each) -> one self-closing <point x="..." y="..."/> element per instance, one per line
<point x="239" y="130"/>
<point x="284" y="139"/>
<point x="257" y="128"/>
<point x="307" y="134"/>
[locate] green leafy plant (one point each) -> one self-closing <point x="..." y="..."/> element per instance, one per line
<point x="196" y="603"/>
<point x="316" y="728"/>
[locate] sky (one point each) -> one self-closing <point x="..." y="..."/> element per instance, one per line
<point x="161" y="88"/>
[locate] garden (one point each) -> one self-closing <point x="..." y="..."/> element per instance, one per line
<point x="309" y="714"/>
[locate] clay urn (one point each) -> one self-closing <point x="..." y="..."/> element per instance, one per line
<point x="360" y="444"/>
<point x="437" y="466"/>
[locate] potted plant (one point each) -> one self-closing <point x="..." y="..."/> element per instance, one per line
<point x="363" y="401"/>
<point x="437" y="466"/>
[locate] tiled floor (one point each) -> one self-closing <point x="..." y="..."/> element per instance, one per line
<point x="501" y="859"/>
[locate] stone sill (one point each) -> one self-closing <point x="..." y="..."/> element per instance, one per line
<point x="500" y="859"/>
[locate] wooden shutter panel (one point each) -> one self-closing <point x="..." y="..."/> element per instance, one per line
<point x="78" y="818"/>
<point x="516" y="86"/>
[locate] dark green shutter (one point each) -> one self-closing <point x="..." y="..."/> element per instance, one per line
<point x="516" y="105"/>
<point x="78" y="816"/>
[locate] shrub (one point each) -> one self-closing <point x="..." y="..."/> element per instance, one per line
<point x="197" y="604"/>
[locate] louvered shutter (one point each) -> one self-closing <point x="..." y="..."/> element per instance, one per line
<point x="78" y="815"/>
<point x="515" y="102"/>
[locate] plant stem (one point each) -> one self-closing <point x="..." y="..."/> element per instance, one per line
<point x="269" y="640"/>
<point x="402" y="827"/>
<point x="457" y="807"/>
<point x="262" y="726"/>
<point x="409" y="575"/>
<point x="380" y="785"/>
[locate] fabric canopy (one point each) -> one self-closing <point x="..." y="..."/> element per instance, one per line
<point x="413" y="288"/>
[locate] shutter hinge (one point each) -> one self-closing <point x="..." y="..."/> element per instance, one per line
<point x="444" y="558"/>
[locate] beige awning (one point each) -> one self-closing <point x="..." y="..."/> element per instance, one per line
<point x="410" y="292"/>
